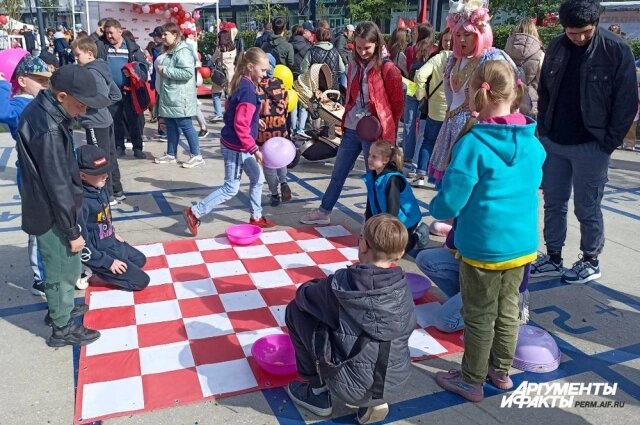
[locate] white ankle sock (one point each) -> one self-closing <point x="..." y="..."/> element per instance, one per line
<point x="318" y="391"/>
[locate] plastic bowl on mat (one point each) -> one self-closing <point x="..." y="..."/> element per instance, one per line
<point x="275" y="354"/>
<point x="418" y="284"/>
<point x="536" y="351"/>
<point x="243" y="234"/>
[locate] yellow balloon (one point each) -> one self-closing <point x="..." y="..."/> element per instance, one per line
<point x="293" y="101"/>
<point x="284" y="74"/>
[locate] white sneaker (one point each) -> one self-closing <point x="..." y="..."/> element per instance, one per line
<point x="113" y="202"/>
<point x="83" y="282"/>
<point x="315" y="217"/>
<point x="194" y="161"/>
<point x="166" y="159"/>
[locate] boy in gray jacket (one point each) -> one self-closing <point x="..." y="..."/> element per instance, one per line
<point x="98" y="123"/>
<point x="351" y="330"/>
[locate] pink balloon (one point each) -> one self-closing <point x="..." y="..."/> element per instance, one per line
<point x="167" y="14"/>
<point x="187" y="15"/>
<point x="175" y="9"/>
<point x="196" y="15"/>
<point x="159" y="11"/>
<point x="278" y="152"/>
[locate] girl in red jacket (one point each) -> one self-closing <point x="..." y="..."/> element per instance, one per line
<point x="373" y="108"/>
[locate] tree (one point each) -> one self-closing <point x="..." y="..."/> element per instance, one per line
<point x="371" y="10"/>
<point x="13" y="8"/>
<point x="531" y="8"/>
<point x="267" y="10"/>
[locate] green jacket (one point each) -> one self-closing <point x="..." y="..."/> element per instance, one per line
<point x="177" y="92"/>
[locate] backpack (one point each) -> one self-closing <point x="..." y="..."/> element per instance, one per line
<point x="219" y="75"/>
<point x="138" y="88"/>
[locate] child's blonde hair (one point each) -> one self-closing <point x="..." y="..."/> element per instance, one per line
<point x="386" y="236"/>
<point x="85" y="44"/>
<point x="493" y="81"/>
<point x="390" y="152"/>
<point x="252" y="55"/>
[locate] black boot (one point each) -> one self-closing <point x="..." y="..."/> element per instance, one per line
<point x="71" y="334"/>
<point x="78" y="310"/>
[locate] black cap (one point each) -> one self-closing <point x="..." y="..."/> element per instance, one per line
<point x="157" y="32"/>
<point x="308" y="26"/>
<point x="92" y="160"/>
<point x="78" y="82"/>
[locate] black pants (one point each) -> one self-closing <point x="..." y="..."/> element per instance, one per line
<point x="301" y="327"/>
<point x="126" y="120"/>
<point x="134" y="279"/>
<point x="105" y="139"/>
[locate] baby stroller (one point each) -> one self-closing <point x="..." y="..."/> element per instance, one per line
<point x="314" y="93"/>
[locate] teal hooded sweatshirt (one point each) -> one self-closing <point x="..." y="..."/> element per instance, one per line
<point x="491" y="187"/>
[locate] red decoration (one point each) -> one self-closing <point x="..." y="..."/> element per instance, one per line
<point x="402" y="24"/>
<point x="3" y="19"/>
<point x="205" y="72"/>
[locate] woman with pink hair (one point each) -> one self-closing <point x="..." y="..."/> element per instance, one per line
<point x="468" y="21"/>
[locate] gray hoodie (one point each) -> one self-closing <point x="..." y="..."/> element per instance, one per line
<point x="101" y="118"/>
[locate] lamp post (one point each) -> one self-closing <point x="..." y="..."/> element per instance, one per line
<point x="41" y="28"/>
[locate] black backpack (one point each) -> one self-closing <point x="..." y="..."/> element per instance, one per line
<point x="219" y="75"/>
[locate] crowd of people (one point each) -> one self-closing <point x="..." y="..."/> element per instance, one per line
<point x="486" y="126"/>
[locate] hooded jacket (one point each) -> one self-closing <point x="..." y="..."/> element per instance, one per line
<point x="177" y="91"/>
<point x="526" y="51"/>
<point x="281" y="49"/>
<point x="101" y="118"/>
<point x="51" y="187"/>
<point x="370" y="300"/>
<point x="491" y="186"/>
<point x="324" y="52"/>
<point x="300" y="48"/>
<point x="97" y="229"/>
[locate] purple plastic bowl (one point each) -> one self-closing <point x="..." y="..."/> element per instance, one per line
<point x="536" y="351"/>
<point x="418" y="284"/>
<point x="275" y="354"/>
<point x="243" y="234"/>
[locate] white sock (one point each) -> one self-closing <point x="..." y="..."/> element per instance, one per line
<point x="320" y="390"/>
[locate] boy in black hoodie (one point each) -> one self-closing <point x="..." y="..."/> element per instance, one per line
<point x="351" y="330"/>
<point x="105" y="253"/>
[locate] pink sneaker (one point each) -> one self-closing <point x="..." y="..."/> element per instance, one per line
<point x="500" y="379"/>
<point x="452" y="381"/>
<point x="440" y="228"/>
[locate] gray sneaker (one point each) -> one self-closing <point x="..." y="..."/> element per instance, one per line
<point x="315" y="217"/>
<point x="193" y="162"/>
<point x="302" y="395"/>
<point x="581" y="272"/>
<point x="166" y="159"/>
<point x="544" y="267"/>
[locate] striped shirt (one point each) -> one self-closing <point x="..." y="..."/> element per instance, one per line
<point x="117" y="58"/>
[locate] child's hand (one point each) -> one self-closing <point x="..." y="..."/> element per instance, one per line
<point x="77" y="245"/>
<point x="262" y="125"/>
<point x="119" y="238"/>
<point x="258" y="156"/>
<point x="118" y="267"/>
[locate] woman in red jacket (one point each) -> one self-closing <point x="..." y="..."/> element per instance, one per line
<point x="375" y="100"/>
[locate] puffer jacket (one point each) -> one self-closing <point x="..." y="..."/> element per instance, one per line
<point x="300" y="48"/>
<point x="526" y="51"/>
<point x="177" y="92"/>
<point x="363" y="299"/>
<point x="51" y="186"/>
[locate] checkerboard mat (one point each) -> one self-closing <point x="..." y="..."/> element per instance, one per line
<point x="188" y="336"/>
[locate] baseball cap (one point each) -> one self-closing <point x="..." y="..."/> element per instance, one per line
<point x="32" y="65"/>
<point x="308" y="26"/>
<point x="92" y="160"/>
<point x="78" y="82"/>
<point x="351" y="28"/>
<point x="157" y="32"/>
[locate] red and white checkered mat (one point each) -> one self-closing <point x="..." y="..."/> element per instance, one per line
<point x="188" y="336"/>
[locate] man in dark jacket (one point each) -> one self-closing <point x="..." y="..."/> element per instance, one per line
<point x="265" y="37"/>
<point x="587" y="101"/>
<point x="278" y="46"/>
<point x="351" y="330"/>
<point x="52" y="193"/>
<point x="118" y="52"/>
<point x="98" y="37"/>
<point x="341" y="41"/>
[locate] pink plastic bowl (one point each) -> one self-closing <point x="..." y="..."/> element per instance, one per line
<point x="9" y="60"/>
<point x="243" y="234"/>
<point x="275" y="354"/>
<point x="418" y="284"/>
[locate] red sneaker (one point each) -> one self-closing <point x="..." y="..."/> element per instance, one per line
<point x="262" y="222"/>
<point x="191" y="220"/>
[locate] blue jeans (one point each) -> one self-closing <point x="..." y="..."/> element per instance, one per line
<point x="174" y="127"/>
<point x="299" y="118"/>
<point x="431" y="130"/>
<point x="411" y="116"/>
<point x="348" y="152"/>
<point x="234" y="164"/>
<point x="217" y="103"/>
<point x="441" y="266"/>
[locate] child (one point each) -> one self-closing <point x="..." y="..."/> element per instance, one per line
<point x="98" y="123"/>
<point x="351" y="330"/>
<point x="274" y="100"/>
<point x="238" y="143"/>
<point x="491" y="188"/>
<point x="388" y="191"/>
<point x="31" y="76"/>
<point x="52" y="193"/>
<point x="106" y="253"/>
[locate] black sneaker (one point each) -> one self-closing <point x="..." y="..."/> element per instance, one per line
<point x="286" y="192"/>
<point x="78" y="310"/>
<point x="38" y="288"/>
<point x="302" y="395"/>
<point x="275" y="200"/>
<point x="121" y="152"/>
<point x="203" y="133"/>
<point x="372" y="414"/>
<point x="139" y="154"/>
<point x="71" y="334"/>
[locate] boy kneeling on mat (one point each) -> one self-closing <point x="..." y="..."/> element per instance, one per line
<point x="105" y="253"/>
<point x="351" y="330"/>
